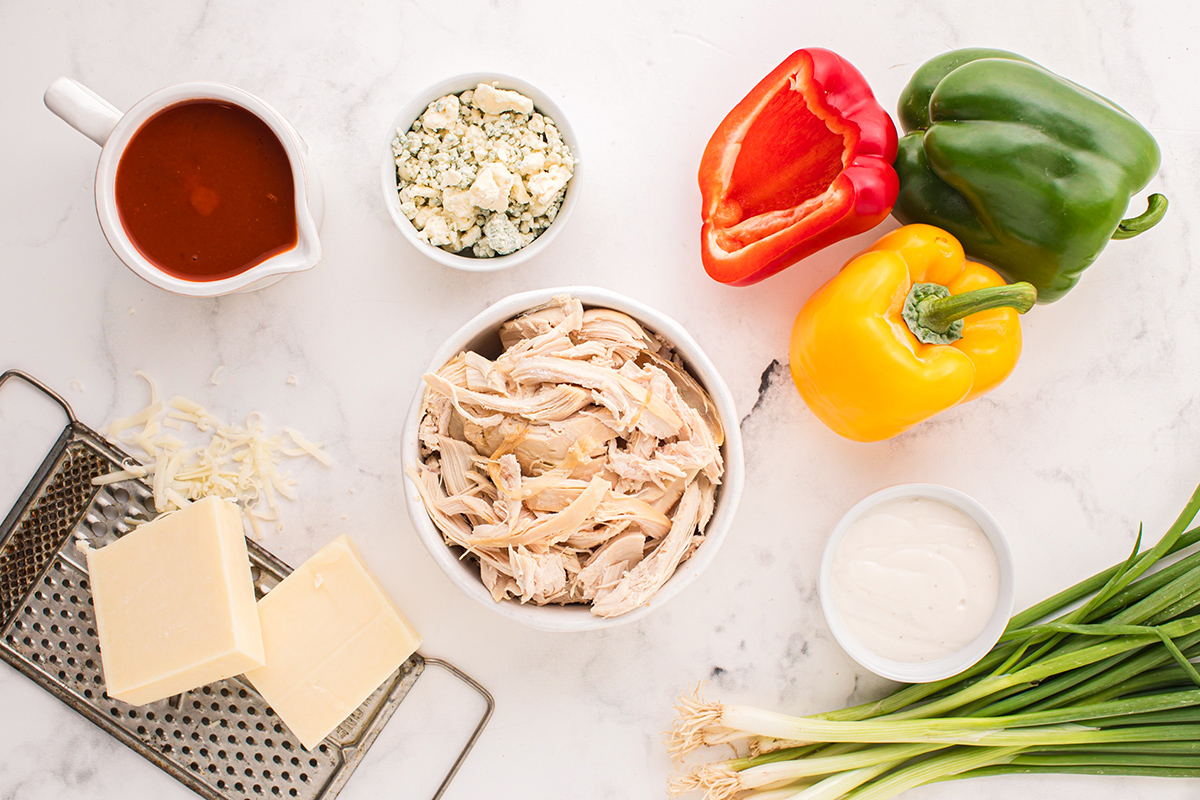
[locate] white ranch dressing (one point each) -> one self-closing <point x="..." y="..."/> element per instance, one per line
<point x="915" y="579"/>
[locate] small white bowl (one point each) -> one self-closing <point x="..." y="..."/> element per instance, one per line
<point x="457" y="85"/>
<point x="482" y="335"/>
<point x="926" y="671"/>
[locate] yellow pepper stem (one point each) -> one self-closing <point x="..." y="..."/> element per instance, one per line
<point x="935" y="316"/>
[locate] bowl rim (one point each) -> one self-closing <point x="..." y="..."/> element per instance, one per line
<point x="964" y="657"/>
<point x="579" y="617"/>
<point x="458" y="84"/>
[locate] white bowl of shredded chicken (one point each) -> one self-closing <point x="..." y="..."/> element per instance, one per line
<point x="572" y="459"/>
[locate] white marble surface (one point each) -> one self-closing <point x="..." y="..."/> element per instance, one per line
<point x="1098" y="429"/>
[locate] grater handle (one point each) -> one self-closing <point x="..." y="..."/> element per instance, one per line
<point x="483" y="721"/>
<point x="43" y="388"/>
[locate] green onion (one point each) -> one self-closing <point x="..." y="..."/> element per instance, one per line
<point x="1098" y="679"/>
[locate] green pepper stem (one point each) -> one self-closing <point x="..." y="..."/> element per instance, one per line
<point x="1156" y="207"/>
<point x="933" y="314"/>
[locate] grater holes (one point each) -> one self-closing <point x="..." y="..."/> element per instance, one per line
<point x="233" y="739"/>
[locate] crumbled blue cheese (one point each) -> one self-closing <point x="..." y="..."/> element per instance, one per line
<point x="482" y="170"/>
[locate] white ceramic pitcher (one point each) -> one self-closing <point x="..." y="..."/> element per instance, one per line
<point x="101" y="122"/>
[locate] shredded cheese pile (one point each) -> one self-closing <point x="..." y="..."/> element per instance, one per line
<point x="240" y="463"/>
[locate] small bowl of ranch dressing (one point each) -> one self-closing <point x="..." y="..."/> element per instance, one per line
<point x="917" y="582"/>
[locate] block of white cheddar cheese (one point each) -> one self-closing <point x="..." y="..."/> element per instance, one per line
<point x="175" y="605"/>
<point x="332" y="636"/>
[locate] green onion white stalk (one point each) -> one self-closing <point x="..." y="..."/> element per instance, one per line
<point x="1098" y="679"/>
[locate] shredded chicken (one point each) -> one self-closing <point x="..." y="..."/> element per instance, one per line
<point x="581" y="465"/>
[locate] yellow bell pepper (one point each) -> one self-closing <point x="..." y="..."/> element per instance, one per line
<point x="905" y="330"/>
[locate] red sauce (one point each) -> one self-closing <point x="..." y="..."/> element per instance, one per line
<point x="205" y="191"/>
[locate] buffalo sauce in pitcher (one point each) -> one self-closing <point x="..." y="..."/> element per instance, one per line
<point x="205" y="191"/>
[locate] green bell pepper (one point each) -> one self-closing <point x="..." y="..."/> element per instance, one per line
<point x="1032" y="173"/>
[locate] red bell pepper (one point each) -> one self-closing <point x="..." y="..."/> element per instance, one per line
<point x="805" y="160"/>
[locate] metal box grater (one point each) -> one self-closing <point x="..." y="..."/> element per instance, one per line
<point x="221" y="740"/>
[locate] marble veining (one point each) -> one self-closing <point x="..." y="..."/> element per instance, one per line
<point x="1096" y="431"/>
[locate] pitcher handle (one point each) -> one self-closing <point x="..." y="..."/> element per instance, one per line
<point x="82" y="109"/>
